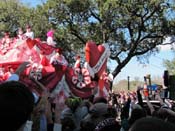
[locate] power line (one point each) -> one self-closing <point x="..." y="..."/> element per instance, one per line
<point x="157" y="67"/>
<point x="159" y="58"/>
<point x="153" y="65"/>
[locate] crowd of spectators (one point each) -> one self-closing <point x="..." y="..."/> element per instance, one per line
<point x="22" y="110"/>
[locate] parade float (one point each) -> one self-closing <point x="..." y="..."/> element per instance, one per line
<point x="49" y="67"/>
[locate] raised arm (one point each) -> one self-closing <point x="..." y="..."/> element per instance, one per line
<point x="139" y="97"/>
<point x="151" y="107"/>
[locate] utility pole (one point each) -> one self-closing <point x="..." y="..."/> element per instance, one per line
<point x="128" y="83"/>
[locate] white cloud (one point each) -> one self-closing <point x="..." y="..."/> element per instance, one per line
<point x="166" y="47"/>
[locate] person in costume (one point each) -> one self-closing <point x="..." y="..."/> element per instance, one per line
<point x="77" y="63"/>
<point x="5" y="43"/>
<point x="19" y="38"/>
<point x="50" y="38"/>
<point x="58" y="58"/>
<point x="6" y="39"/>
<point x="29" y="33"/>
<point x="20" y="34"/>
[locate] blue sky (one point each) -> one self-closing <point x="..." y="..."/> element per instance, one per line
<point x="154" y="67"/>
<point x="32" y="3"/>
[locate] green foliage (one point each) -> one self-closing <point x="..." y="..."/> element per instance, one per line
<point x="76" y="6"/>
<point x="73" y="103"/>
<point x="12" y="15"/>
<point x="170" y="66"/>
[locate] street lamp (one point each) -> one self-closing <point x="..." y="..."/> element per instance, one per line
<point x="128" y="83"/>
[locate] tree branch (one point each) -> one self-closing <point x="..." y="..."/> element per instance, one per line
<point x="130" y="30"/>
<point x="146" y="49"/>
<point x="151" y="14"/>
<point x="120" y="66"/>
<point x="169" y="43"/>
<point x="150" y="36"/>
<point x="73" y="32"/>
<point x="141" y="53"/>
<point x="95" y="16"/>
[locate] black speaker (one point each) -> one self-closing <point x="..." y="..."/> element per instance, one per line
<point x="166" y="78"/>
<point x="172" y="86"/>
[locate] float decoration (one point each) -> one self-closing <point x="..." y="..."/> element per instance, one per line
<point x="55" y="73"/>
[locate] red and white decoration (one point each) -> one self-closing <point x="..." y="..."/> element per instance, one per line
<point x="36" y="71"/>
<point x="81" y="77"/>
<point x="96" y="58"/>
<point x="49" y="66"/>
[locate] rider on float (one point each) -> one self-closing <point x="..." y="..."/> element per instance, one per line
<point x="29" y="33"/>
<point x="50" y="38"/>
